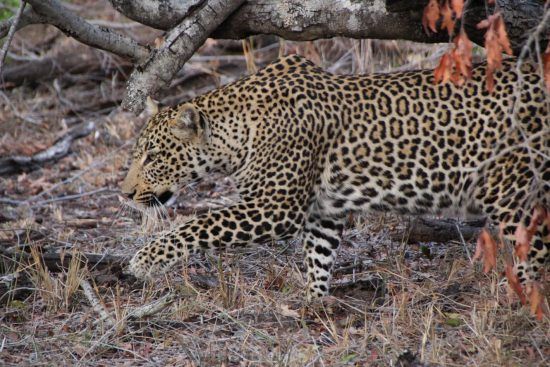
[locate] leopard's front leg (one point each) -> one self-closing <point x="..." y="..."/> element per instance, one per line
<point x="321" y="238"/>
<point x="235" y="226"/>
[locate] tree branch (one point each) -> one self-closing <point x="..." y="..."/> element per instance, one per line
<point x="157" y="14"/>
<point x="28" y="17"/>
<point x="11" y="32"/>
<point x="54" y="13"/>
<point x="304" y="20"/>
<point x="179" y="45"/>
<point x="9" y="165"/>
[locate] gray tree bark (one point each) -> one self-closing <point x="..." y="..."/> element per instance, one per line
<point x="179" y="45"/>
<point x="192" y="21"/>
<point x="303" y="20"/>
<point x="52" y="12"/>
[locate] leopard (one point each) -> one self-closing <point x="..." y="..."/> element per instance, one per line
<point x="306" y="148"/>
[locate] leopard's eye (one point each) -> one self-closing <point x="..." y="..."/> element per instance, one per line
<point x="150" y="157"/>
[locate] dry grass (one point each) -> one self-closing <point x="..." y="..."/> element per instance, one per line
<point x="389" y="297"/>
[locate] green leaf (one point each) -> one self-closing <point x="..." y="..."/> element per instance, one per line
<point x="349" y="358"/>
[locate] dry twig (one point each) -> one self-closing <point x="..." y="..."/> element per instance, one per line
<point x="13" y="164"/>
<point x="28" y="17"/>
<point x="11" y="32"/>
<point x="96" y="304"/>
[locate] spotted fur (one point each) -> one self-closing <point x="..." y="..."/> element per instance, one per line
<point x="305" y="147"/>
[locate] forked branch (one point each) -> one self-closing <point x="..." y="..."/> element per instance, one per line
<point x="179" y="45"/>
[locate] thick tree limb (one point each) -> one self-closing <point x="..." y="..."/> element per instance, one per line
<point x="9" y="165"/>
<point x="178" y="47"/>
<point x="164" y="14"/>
<point x="290" y="19"/>
<point x="52" y="12"/>
<point x="303" y="20"/>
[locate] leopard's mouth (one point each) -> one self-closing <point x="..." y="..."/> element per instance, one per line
<point x="167" y="198"/>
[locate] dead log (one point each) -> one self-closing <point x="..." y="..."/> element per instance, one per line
<point x="439" y="230"/>
<point x="59" y="261"/>
<point x="16" y="164"/>
<point x="104" y="268"/>
<point x="51" y="67"/>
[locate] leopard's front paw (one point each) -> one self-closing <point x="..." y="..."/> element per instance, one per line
<point x="150" y="261"/>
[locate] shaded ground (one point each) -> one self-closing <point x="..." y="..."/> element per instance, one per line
<point x="393" y="304"/>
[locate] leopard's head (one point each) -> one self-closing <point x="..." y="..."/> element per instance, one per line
<point x="170" y="152"/>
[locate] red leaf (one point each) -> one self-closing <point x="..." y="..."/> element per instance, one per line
<point x="536" y="301"/>
<point x="523" y="242"/>
<point x="496" y="41"/>
<point x="448" y="21"/>
<point x="431" y="16"/>
<point x="524" y="235"/>
<point x="463" y="55"/>
<point x="458" y="7"/>
<point x="443" y="71"/>
<point x="546" y="63"/>
<point x="487" y="250"/>
<point x="513" y="282"/>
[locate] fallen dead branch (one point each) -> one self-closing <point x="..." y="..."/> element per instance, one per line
<point x="16" y="284"/>
<point x="152" y="308"/>
<point x="96" y="304"/>
<point x="51" y="67"/>
<point x="60" y="149"/>
<point x="58" y="261"/>
<point x="439" y="230"/>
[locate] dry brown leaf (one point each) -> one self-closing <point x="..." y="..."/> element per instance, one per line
<point x="456" y="64"/>
<point x="285" y="310"/>
<point x="524" y="235"/>
<point x="486" y="250"/>
<point x="536" y="301"/>
<point x="546" y="63"/>
<point x="448" y="22"/>
<point x="523" y="242"/>
<point x="458" y="7"/>
<point x="463" y="58"/>
<point x="159" y="42"/>
<point x="496" y="42"/>
<point x="431" y="16"/>
<point x="443" y="71"/>
<point x="514" y="284"/>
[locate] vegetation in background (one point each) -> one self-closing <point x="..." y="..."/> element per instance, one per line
<point x="7" y="8"/>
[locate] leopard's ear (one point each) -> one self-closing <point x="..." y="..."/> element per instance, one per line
<point x="188" y="122"/>
<point x="152" y="106"/>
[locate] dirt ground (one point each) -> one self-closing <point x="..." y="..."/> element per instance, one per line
<point x="393" y="303"/>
